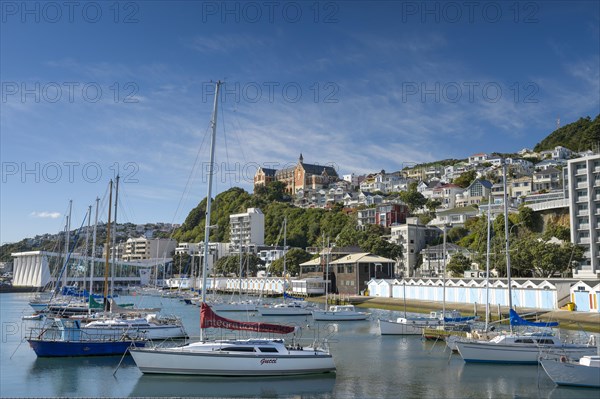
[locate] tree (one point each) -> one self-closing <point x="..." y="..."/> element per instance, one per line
<point x="432" y="204"/>
<point x="414" y="199"/>
<point x="293" y="258"/>
<point x="465" y="179"/>
<point x="230" y="265"/>
<point x="458" y="264"/>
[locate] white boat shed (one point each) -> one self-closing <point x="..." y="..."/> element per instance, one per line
<point x="529" y="293"/>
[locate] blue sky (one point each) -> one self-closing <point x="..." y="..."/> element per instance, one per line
<point x="89" y="88"/>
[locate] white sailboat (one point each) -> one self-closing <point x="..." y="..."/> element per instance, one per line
<point x="582" y="373"/>
<point x="239" y="305"/>
<point x="515" y="348"/>
<point x="248" y="357"/>
<point x="336" y="312"/>
<point x="294" y="307"/>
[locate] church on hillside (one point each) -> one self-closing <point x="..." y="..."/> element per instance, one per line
<point x="302" y="176"/>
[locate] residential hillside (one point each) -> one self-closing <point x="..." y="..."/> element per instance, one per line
<point x="577" y="136"/>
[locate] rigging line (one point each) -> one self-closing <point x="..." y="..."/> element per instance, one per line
<point x="191" y="176"/>
<point x="122" y="202"/>
<point x="225" y="141"/>
<point x="235" y="130"/>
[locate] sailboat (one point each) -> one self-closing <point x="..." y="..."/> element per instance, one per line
<point x="240" y="305"/>
<point x="437" y="322"/>
<point x="512" y="347"/>
<point x="295" y="307"/>
<point x="336" y="312"/>
<point x="62" y="337"/>
<point x="118" y="319"/>
<point x="232" y="357"/>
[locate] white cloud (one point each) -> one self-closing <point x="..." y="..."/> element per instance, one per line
<point x="45" y="215"/>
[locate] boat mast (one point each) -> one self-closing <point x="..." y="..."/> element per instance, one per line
<point x="106" y="263"/>
<point x="284" y="259"/>
<point x="94" y="249"/>
<point x="114" y="243"/>
<point x="209" y="194"/>
<point x="487" y="265"/>
<point x="87" y="241"/>
<point x="444" y="279"/>
<point x="506" y="231"/>
<point x="67" y="243"/>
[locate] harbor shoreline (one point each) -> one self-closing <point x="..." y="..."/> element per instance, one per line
<point x="570" y="320"/>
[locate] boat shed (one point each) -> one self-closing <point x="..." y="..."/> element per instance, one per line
<point x="586" y="296"/>
<point x="527" y="293"/>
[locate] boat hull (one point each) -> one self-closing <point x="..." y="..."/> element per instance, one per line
<point x="389" y="327"/>
<point x="177" y="361"/>
<point x="338" y="316"/>
<point x="152" y="333"/>
<point x="486" y="352"/>
<point x="268" y="311"/>
<point x="571" y="374"/>
<point x="44" y="348"/>
<point x="234" y="307"/>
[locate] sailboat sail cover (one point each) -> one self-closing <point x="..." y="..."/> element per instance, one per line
<point x="516" y="320"/>
<point x="209" y="319"/>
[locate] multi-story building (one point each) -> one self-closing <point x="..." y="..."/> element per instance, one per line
<point x="385" y="215"/>
<point x="413" y="236"/>
<point x="446" y="194"/>
<point x="584" y="208"/>
<point x="547" y="179"/>
<point x="264" y="176"/>
<point x="143" y="248"/>
<point x="478" y="158"/>
<point x="300" y="176"/>
<point x="187" y="248"/>
<point x="247" y="230"/>
<point x="477" y="192"/>
<point x="454" y="217"/>
<point x="433" y="259"/>
<point x="520" y="187"/>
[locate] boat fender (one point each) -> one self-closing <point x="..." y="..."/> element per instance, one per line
<point x="563" y="359"/>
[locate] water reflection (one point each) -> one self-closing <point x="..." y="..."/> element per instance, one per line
<point x="69" y="376"/>
<point x="265" y="387"/>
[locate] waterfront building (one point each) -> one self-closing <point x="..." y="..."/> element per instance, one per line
<point x="247" y="230"/>
<point x="142" y="248"/>
<point x="433" y="258"/>
<point x="413" y="236"/>
<point x="584" y="206"/>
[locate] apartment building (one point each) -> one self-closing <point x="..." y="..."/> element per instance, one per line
<point x="583" y="184"/>
<point x="247" y="229"/>
<point x="413" y="236"/>
<point x="143" y="248"/>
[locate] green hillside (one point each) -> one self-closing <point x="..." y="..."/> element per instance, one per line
<point x="577" y="136"/>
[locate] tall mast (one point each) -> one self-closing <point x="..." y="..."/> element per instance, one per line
<point x="114" y="243"/>
<point x="241" y="254"/>
<point x="106" y="263"/>
<point x="506" y="237"/>
<point x="209" y="195"/>
<point x="87" y="241"/>
<point x="487" y="265"/>
<point x="284" y="257"/>
<point x="444" y="279"/>
<point x="67" y="242"/>
<point x="94" y="249"/>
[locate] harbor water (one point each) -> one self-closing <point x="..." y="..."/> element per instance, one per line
<point x="368" y="366"/>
